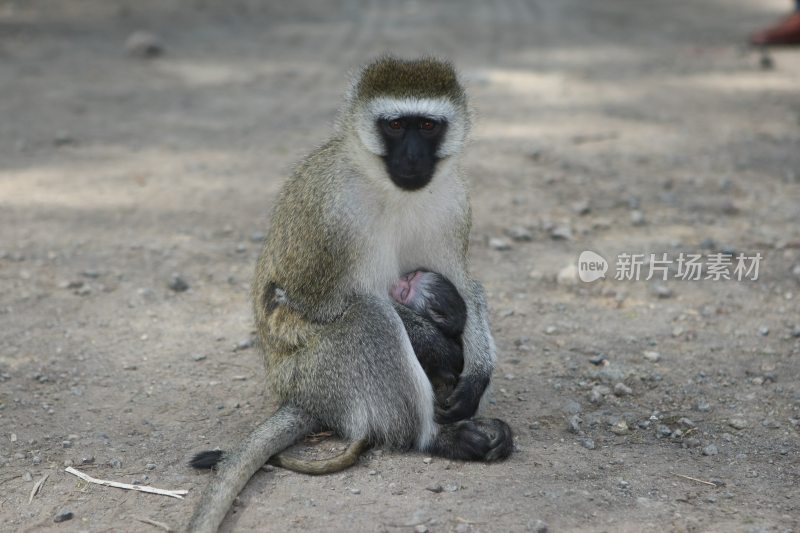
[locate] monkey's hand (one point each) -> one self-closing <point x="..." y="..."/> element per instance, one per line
<point x="463" y="402"/>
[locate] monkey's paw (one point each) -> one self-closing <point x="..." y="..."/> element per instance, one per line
<point x="464" y="401"/>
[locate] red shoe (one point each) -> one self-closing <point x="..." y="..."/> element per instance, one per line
<point x="785" y="32"/>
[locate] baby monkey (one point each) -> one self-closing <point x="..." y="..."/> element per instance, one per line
<point x="434" y="315"/>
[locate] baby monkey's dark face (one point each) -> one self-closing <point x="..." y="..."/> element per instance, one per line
<point x="433" y="296"/>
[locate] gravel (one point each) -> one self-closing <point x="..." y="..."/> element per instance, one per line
<point x="574" y="424"/>
<point x="499" y="244"/>
<point x="637" y="218"/>
<point x="738" y="423"/>
<point x="711" y="449"/>
<point x="620" y="389"/>
<point x="177" y="283"/>
<point x="519" y="234"/>
<point x="143" y="45"/>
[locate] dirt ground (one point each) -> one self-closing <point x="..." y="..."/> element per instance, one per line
<point x="617" y="126"/>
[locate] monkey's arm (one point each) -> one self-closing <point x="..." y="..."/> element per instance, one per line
<point x="479" y="358"/>
<point x="441" y="357"/>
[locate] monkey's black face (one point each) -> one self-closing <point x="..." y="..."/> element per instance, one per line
<point x="411" y="143"/>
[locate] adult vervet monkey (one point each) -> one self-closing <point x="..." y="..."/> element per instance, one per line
<point x="383" y="197"/>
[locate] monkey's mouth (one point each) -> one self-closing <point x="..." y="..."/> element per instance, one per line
<point x="410" y="180"/>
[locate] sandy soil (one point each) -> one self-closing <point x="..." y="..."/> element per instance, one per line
<point x="612" y="126"/>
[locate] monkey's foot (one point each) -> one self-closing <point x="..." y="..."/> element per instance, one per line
<point x="480" y="439"/>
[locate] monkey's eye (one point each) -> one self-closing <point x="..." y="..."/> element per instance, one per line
<point x="396" y="125"/>
<point x="427" y="125"/>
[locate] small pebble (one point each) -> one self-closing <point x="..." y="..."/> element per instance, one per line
<point x="568" y="275"/>
<point x="519" y="234"/>
<point x="653" y="357"/>
<point x="63" y="138"/>
<point x="144" y="45"/>
<point x="436" y="489"/>
<point x="572" y="407"/>
<point x="66" y="444"/>
<point x="711" y="449"/>
<point x="574" y="424"/>
<point x="581" y="207"/>
<point x="427" y="460"/>
<point x="765" y="61"/>
<point x="599" y="359"/>
<point x="703" y="406"/>
<point x="763" y="331"/>
<point x="355" y="491"/>
<point x="150" y="466"/>
<point x="691" y="442"/>
<point x="598" y="394"/>
<point x="637" y="218"/>
<point x="538" y="526"/>
<point x="115" y="463"/>
<point x="27" y="476"/>
<point x="620" y="389"/>
<point x="244" y="344"/>
<point x="620" y="428"/>
<point x="662" y="291"/>
<point x="87" y="460"/>
<point x="420" y="528"/>
<point x="737" y="423"/>
<point x="561" y="232"/>
<point x="177" y="283"/>
<point x="587" y="443"/>
<point x="501" y="245"/>
<point x="63" y="516"/>
<point x="198" y="357"/>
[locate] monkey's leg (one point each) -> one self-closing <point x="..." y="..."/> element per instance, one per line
<point x="359" y="377"/>
<point x="479" y="358"/>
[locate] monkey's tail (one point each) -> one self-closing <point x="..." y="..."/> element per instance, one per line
<point x="317" y="467"/>
<point x="287" y="425"/>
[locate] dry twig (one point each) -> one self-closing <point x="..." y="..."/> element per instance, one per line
<point x="38" y="486"/>
<point x="161" y="525"/>
<point x="694" y="479"/>
<point x="141" y="488"/>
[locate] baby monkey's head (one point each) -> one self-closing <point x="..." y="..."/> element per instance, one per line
<point x="433" y="296"/>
